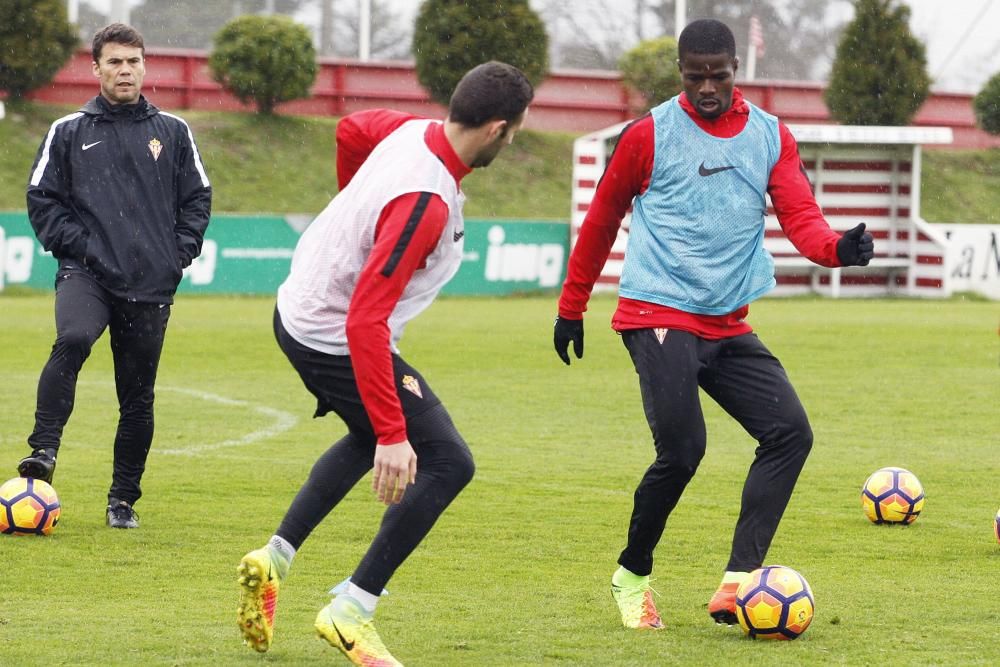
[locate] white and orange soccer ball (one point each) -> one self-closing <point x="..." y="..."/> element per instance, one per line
<point x="775" y="602"/>
<point x="28" y="507"/>
<point x="892" y="495"/>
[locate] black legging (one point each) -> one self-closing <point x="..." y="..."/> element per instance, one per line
<point x="444" y="462"/>
<point x="84" y="310"/>
<point x="748" y="382"/>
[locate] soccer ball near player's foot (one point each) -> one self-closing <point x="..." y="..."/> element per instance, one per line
<point x="774" y="602"/>
<point x="892" y="495"/>
<point x="28" y="507"/>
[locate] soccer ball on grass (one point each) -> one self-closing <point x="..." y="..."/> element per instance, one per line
<point x="775" y="602"/>
<point x="892" y="495"/>
<point x="28" y="507"/>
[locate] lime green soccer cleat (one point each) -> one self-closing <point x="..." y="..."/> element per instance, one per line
<point x="259" y="583"/>
<point x="636" y="606"/>
<point x="346" y="626"/>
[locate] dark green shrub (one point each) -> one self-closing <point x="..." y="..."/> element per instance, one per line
<point x="36" y="40"/>
<point x="651" y="69"/>
<point x="987" y="105"/>
<point x="452" y="36"/>
<point x="879" y="74"/>
<point x="265" y="60"/>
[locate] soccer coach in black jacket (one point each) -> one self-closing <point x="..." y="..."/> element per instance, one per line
<point x="118" y="194"/>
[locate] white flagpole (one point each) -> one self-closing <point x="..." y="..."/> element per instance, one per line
<point x="364" y="30"/>
<point x="754" y="41"/>
<point x="680" y="17"/>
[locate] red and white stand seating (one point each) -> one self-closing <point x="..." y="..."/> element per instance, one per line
<point x="859" y="174"/>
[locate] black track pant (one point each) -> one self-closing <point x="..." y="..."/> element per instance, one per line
<point x="84" y="310"/>
<point x="444" y="462"/>
<point x="748" y="382"/>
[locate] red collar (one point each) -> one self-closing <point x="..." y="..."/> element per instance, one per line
<point x="727" y="125"/>
<point x="738" y="107"/>
<point x="441" y="147"/>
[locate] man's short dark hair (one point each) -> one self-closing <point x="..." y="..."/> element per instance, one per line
<point x="491" y="91"/>
<point x="116" y="33"/>
<point x="706" y="37"/>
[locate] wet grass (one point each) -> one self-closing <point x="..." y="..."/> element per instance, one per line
<point x="285" y="164"/>
<point x="516" y="572"/>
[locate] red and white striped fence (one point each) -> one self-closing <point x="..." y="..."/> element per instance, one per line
<point x="859" y="174"/>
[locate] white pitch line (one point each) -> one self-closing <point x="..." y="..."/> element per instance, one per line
<point x="281" y="421"/>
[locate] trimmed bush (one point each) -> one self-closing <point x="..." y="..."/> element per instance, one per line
<point x="651" y="69"/>
<point x="987" y="105"/>
<point x="879" y="74"/>
<point x="36" y="40"/>
<point x="264" y="60"/>
<point x="451" y="37"/>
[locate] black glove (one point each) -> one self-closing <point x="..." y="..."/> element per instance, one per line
<point x="566" y="331"/>
<point x="855" y="247"/>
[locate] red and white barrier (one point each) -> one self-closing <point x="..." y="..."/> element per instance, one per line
<point x="859" y="174"/>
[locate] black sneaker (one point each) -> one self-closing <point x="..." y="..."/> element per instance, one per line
<point x="121" y="514"/>
<point x="40" y="465"/>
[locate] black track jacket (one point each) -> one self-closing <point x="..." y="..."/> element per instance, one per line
<point x="120" y="191"/>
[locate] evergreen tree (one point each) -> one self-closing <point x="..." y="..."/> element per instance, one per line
<point x="880" y="72"/>
<point x="265" y="60"/>
<point x="987" y="105"/>
<point x="651" y="69"/>
<point x="36" y="40"/>
<point x="453" y="36"/>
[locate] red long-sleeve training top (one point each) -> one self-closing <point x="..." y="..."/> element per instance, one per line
<point x="375" y="294"/>
<point x="628" y="175"/>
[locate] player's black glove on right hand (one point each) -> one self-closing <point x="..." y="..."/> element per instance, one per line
<point x="566" y="331"/>
<point x="855" y="247"/>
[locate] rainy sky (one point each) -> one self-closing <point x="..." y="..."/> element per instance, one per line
<point x="960" y="35"/>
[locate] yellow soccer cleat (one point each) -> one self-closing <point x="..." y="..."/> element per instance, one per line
<point x="259" y="583"/>
<point x="636" y="606"/>
<point x="346" y="626"/>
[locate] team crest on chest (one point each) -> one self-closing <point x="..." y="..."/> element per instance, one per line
<point x="155" y="147"/>
<point x="661" y="334"/>
<point x="412" y="385"/>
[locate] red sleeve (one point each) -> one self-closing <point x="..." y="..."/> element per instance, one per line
<point x="626" y="176"/>
<point x="358" y="134"/>
<point x="408" y="230"/>
<point x="795" y="205"/>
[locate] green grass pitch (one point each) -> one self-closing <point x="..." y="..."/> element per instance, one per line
<point x="517" y="571"/>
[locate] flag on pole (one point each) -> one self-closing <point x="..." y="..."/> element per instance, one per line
<point x="756" y="36"/>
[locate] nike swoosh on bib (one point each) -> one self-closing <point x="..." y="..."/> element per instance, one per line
<point x="89" y="146"/>
<point x="705" y="171"/>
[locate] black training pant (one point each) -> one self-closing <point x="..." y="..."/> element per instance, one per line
<point x="84" y="310"/>
<point x="748" y="382"/>
<point x="444" y="462"/>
